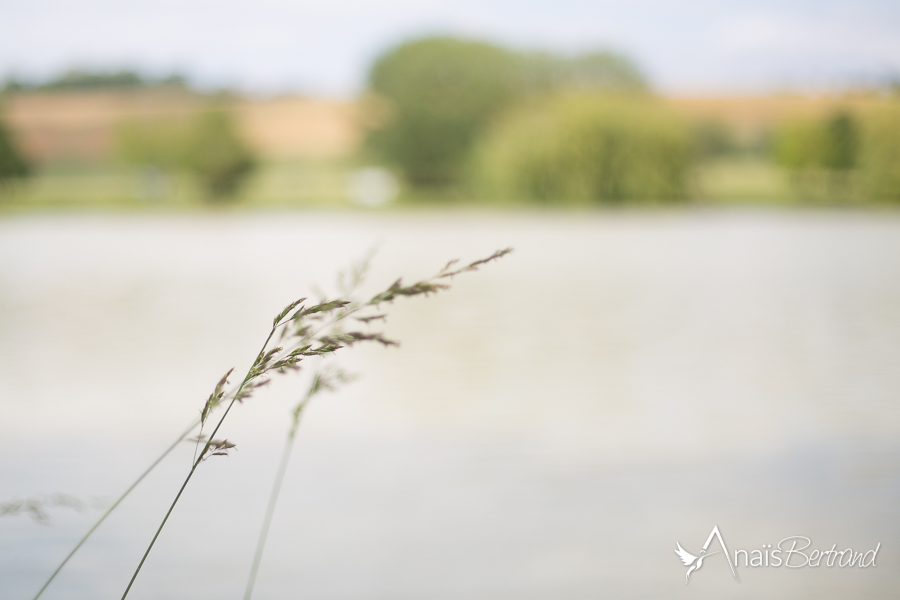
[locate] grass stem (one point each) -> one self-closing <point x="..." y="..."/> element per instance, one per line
<point x="113" y="507"/>
<point x="195" y="465"/>
<point x="270" y="510"/>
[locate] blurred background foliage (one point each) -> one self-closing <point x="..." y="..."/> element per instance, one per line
<point x="588" y="148"/>
<point x="443" y="92"/>
<point x="216" y="154"/>
<point x="452" y="119"/>
<point x="159" y="142"/>
<point x="879" y="153"/>
<point x="77" y="79"/>
<point x="844" y="156"/>
<point x="207" y="146"/>
<point x="13" y="165"/>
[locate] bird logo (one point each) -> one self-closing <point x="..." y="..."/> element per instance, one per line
<point x="695" y="562"/>
<point x="689" y="560"/>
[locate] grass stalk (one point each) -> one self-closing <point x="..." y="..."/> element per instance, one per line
<point x="197" y="462"/>
<point x="324" y="379"/>
<point x="311" y="331"/>
<point x="270" y="510"/>
<point x="113" y="507"/>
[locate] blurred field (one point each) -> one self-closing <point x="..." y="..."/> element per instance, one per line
<point x="310" y="148"/>
<point x="79" y="127"/>
<point x="324" y="182"/>
<point x="307" y="182"/>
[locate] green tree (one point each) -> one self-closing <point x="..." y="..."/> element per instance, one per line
<point x="442" y="92"/>
<point x="543" y="72"/>
<point x="13" y="163"/>
<point x="842" y="142"/>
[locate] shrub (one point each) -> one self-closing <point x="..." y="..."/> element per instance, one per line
<point x="207" y="145"/>
<point x="798" y="145"/>
<point x="821" y="156"/>
<point x="216" y="153"/>
<point x="825" y="144"/>
<point x="880" y="153"/>
<point x="846" y="156"/>
<point x="588" y="148"/>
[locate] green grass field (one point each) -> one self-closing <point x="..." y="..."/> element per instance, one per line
<point x="299" y="183"/>
<point x="324" y="184"/>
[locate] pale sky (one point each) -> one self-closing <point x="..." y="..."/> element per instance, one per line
<point x="325" y="47"/>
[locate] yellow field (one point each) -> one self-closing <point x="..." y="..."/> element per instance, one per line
<point x="79" y="127"/>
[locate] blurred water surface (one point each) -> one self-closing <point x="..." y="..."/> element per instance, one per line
<point x="548" y="429"/>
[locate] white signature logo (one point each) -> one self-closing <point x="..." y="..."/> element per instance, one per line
<point x="793" y="552"/>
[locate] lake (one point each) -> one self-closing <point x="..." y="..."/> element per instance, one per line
<point x="549" y="428"/>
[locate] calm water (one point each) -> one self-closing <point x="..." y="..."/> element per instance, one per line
<point x="549" y="428"/>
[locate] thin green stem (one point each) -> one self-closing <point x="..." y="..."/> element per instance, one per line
<point x="270" y="510"/>
<point x="197" y="463"/>
<point x="158" y="531"/>
<point x="314" y="388"/>
<point x="423" y="287"/>
<point x="113" y="507"/>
